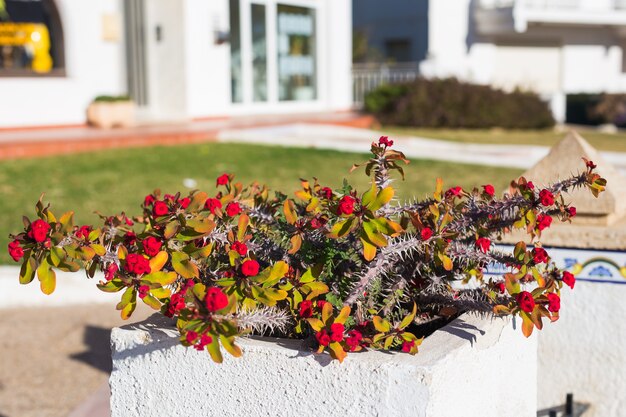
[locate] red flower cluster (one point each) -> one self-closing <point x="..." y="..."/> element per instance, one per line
<point x="426" y="233"/>
<point x="250" y="268"/>
<point x="336" y="332"/>
<point x="137" y="264"/>
<point x="525" y="301"/>
<point x="326" y="192"/>
<point x="454" y="192"/>
<point x="317" y="222"/>
<point x="222" y="179"/>
<point x="572" y="211"/>
<point x="204" y="340"/>
<point x="212" y="204"/>
<point x="540" y="255"/>
<point x="543" y="221"/>
<point x="323" y="338"/>
<point x="83" y="232"/>
<point x="233" y="209"/>
<point x="346" y="205"/>
<point x="152" y="246"/>
<point x="554" y="302"/>
<point x="160" y="208"/>
<point x="111" y="271"/>
<point x="143" y="290"/>
<point x="38" y="230"/>
<point x="353" y="340"/>
<point x="240" y="248"/>
<point x="489" y="190"/>
<point x="215" y="299"/>
<point x="149" y="200"/>
<point x="177" y="303"/>
<point x="407" y="346"/>
<point x="306" y="309"/>
<point x="184" y="202"/>
<point x="385" y="141"/>
<point x="483" y="244"/>
<point x="546" y="197"/>
<point x="569" y="279"/>
<point x="15" y="251"/>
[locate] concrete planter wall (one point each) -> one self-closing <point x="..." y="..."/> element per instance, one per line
<point x="472" y="367"/>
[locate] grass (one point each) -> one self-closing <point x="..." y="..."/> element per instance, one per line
<point x="117" y="180"/>
<point x="601" y="141"/>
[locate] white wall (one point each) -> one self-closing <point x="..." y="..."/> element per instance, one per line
<point x="338" y="66"/>
<point x="93" y="67"/>
<point x="584" y="352"/>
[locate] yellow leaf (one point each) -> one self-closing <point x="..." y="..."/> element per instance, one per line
<point x="47" y="278"/>
<point x="384" y="196"/>
<point x="230" y="346"/>
<point x="296" y="243"/>
<point x="290" y="213"/>
<point x="527" y="324"/>
<point x="380" y="324"/>
<point x="327" y="312"/>
<point x="244" y="220"/>
<point x="343" y="315"/>
<point x="369" y="250"/>
<point x="337" y="352"/>
<point x="159" y="261"/>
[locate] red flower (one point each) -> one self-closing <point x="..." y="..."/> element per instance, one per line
<point x="191" y="337"/>
<point x="489" y="190"/>
<point x="546" y="197"/>
<point x="384" y="141"/>
<point x="160" y="209"/>
<point x="569" y="279"/>
<point x="15" y="251"/>
<point x="590" y="164"/>
<point x="454" y="191"/>
<point x="184" y="202"/>
<point x="554" y="302"/>
<point x="177" y="303"/>
<point x="483" y="244"/>
<point x="526" y="301"/>
<point x="212" y="204"/>
<point x="239" y="247"/>
<point x="205" y="339"/>
<point x="323" y="338"/>
<point x="148" y="200"/>
<point x="152" y="246"/>
<point x="336" y="332"/>
<point x="83" y="232"/>
<point x="111" y="271"/>
<point x="306" y="309"/>
<point x="426" y="233"/>
<point x="137" y="264"/>
<point x="540" y="255"/>
<point x="407" y="346"/>
<point x="500" y="287"/>
<point x="143" y="291"/>
<point x="168" y="197"/>
<point x="250" y="268"/>
<point x="222" y="179"/>
<point x="130" y="238"/>
<point x="346" y="205"/>
<point x="572" y="211"/>
<point x="543" y="221"/>
<point x="38" y="230"/>
<point x="215" y="299"/>
<point x="317" y="222"/>
<point x="321" y="303"/>
<point x="353" y="340"/>
<point x="530" y="185"/>
<point x="326" y="192"/>
<point x="233" y="209"/>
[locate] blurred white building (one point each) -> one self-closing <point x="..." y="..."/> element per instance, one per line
<point x="553" y="47"/>
<point x="178" y="59"/>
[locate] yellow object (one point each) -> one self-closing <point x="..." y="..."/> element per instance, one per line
<point x="34" y="37"/>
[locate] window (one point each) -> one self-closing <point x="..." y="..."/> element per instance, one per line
<point x="31" y="38"/>
<point x="296" y="53"/>
<point x="236" y="76"/>
<point x="259" y="53"/>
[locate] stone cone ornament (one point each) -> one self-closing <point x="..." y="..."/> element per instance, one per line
<point x="565" y="158"/>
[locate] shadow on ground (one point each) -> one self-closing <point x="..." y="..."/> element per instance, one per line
<point x="98" y="353"/>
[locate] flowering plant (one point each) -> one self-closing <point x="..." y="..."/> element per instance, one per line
<point x="344" y="270"/>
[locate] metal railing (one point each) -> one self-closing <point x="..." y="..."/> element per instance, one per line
<point x="367" y="77"/>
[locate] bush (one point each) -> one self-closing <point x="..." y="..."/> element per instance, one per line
<point x="346" y="270"/>
<point x="454" y="104"/>
<point x="610" y="108"/>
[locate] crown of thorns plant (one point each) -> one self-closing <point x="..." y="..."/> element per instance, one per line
<point x="346" y="271"/>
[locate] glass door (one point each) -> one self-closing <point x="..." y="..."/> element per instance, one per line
<point x="273" y="51"/>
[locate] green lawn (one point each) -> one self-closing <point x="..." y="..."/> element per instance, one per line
<point x="117" y="180"/>
<point x="601" y="141"/>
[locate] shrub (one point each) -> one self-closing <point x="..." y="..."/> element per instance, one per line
<point x="111" y="99"/>
<point x="610" y="108"/>
<point x="454" y="104"/>
<point x="346" y="270"/>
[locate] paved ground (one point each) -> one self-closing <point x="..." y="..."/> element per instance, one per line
<point x="53" y="359"/>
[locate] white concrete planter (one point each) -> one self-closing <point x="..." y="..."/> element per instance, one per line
<point x="472" y="367"/>
<point x="106" y="115"/>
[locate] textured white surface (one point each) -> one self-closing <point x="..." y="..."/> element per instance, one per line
<point x="464" y="369"/>
<point x="584" y="353"/>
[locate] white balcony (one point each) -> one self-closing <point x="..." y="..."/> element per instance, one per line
<point x="502" y="16"/>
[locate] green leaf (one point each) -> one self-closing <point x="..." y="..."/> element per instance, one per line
<point x="520" y="251"/>
<point x="230" y="346"/>
<point x="67" y="222"/>
<point x="152" y="302"/>
<point x="111" y="286"/>
<point x="369" y="195"/>
<point x="214" y="349"/>
<point x="409" y="318"/>
<point x="384" y="196"/>
<point x="163" y="278"/>
<point x="342" y="228"/>
<point x="171" y="229"/>
<point x="27" y="271"/>
<point x="184" y="267"/>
